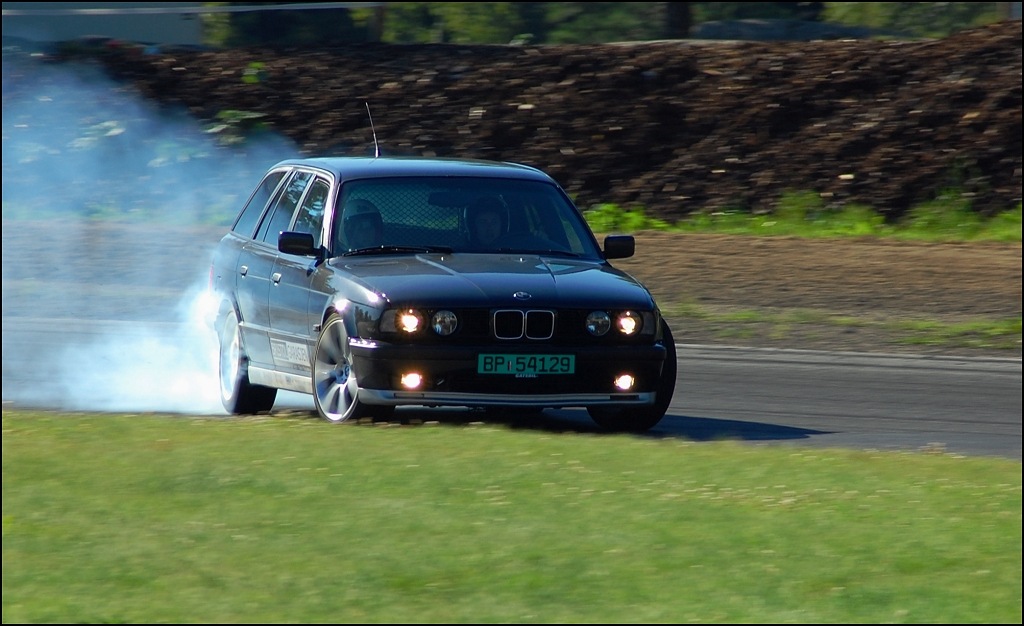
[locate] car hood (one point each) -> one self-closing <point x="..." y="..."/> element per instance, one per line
<point x="466" y="279"/>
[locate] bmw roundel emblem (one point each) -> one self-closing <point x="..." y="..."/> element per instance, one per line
<point x="521" y="295"/>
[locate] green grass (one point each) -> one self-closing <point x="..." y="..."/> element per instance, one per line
<point x="947" y="218"/>
<point x="162" y="518"/>
<point x="999" y="334"/>
<point x="992" y="335"/>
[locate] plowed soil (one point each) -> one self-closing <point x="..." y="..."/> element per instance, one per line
<point x="843" y="294"/>
<point x="670" y="127"/>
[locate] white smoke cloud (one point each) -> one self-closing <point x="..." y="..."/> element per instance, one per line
<point x="111" y="209"/>
<point x="133" y="366"/>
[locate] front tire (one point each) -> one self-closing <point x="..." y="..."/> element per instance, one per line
<point x="237" y="394"/>
<point x="335" y="387"/>
<point x="641" y="420"/>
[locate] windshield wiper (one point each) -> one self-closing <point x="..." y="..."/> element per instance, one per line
<point x="546" y="252"/>
<point x="398" y="250"/>
<point x="565" y="253"/>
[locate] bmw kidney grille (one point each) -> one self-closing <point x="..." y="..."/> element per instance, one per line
<point x="516" y="324"/>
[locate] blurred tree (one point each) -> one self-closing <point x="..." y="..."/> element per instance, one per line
<point x="715" y="11"/>
<point x="916" y="19"/>
<point x="598" y="22"/>
<point x="478" y="22"/>
<point x="567" y="22"/>
<point x="445" y="22"/>
<point x="248" y="26"/>
<point x="216" y="26"/>
<point x="678" y="19"/>
<point x="518" y="22"/>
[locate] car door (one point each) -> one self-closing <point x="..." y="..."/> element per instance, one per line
<point x="292" y="333"/>
<point x="255" y="266"/>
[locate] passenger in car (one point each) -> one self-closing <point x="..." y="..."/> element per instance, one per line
<point x="487" y="219"/>
<point x="363" y="225"/>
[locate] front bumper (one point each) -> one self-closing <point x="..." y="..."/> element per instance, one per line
<point x="449" y="376"/>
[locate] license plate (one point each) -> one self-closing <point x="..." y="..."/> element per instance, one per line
<point x="526" y="364"/>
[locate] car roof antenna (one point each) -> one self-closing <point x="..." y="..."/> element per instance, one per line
<point x="376" y="148"/>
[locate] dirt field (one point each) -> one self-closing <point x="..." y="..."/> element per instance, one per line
<point x="870" y="281"/>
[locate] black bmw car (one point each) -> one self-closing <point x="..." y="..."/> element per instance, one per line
<point x="378" y="282"/>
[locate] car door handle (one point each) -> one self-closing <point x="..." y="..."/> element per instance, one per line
<point x="276" y="277"/>
<point x="243" y="270"/>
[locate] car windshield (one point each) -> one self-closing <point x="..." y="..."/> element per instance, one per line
<point x="482" y="215"/>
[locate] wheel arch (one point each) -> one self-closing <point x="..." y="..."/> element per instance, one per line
<point x="342" y="308"/>
<point x="350" y="312"/>
<point x="226" y="304"/>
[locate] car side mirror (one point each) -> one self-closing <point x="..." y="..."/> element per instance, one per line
<point x="301" y="244"/>
<point x="619" y="246"/>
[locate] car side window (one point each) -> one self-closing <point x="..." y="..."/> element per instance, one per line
<point x="311" y="213"/>
<point x="245" y="224"/>
<point x="280" y="216"/>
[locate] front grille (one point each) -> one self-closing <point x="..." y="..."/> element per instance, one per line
<point x="515" y="324"/>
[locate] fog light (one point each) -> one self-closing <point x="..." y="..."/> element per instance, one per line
<point x="625" y="382"/>
<point x="412" y="380"/>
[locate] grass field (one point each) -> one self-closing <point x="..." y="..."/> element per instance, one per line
<point x="148" y="518"/>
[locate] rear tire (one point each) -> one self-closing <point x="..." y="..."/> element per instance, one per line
<point x="642" y="419"/>
<point x="237" y="394"/>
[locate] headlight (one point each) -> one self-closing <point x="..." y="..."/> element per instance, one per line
<point x="408" y="321"/>
<point x="629" y="323"/>
<point x="413" y="321"/>
<point x="444" y="323"/>
<point x="598" y="323"/>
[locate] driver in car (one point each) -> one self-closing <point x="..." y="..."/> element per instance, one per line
<point x="487" y="218"/>
<point x="363" y="225"/>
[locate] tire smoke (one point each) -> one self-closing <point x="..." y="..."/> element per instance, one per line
<point x="111" y="209"/>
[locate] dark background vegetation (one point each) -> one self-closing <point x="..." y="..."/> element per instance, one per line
<point x="588" y="22"/>
<point x="668" y="127"/>
<point x="669" y="108"/>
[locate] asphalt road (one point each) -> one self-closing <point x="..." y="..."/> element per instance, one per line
<point x="956" y="405"/>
